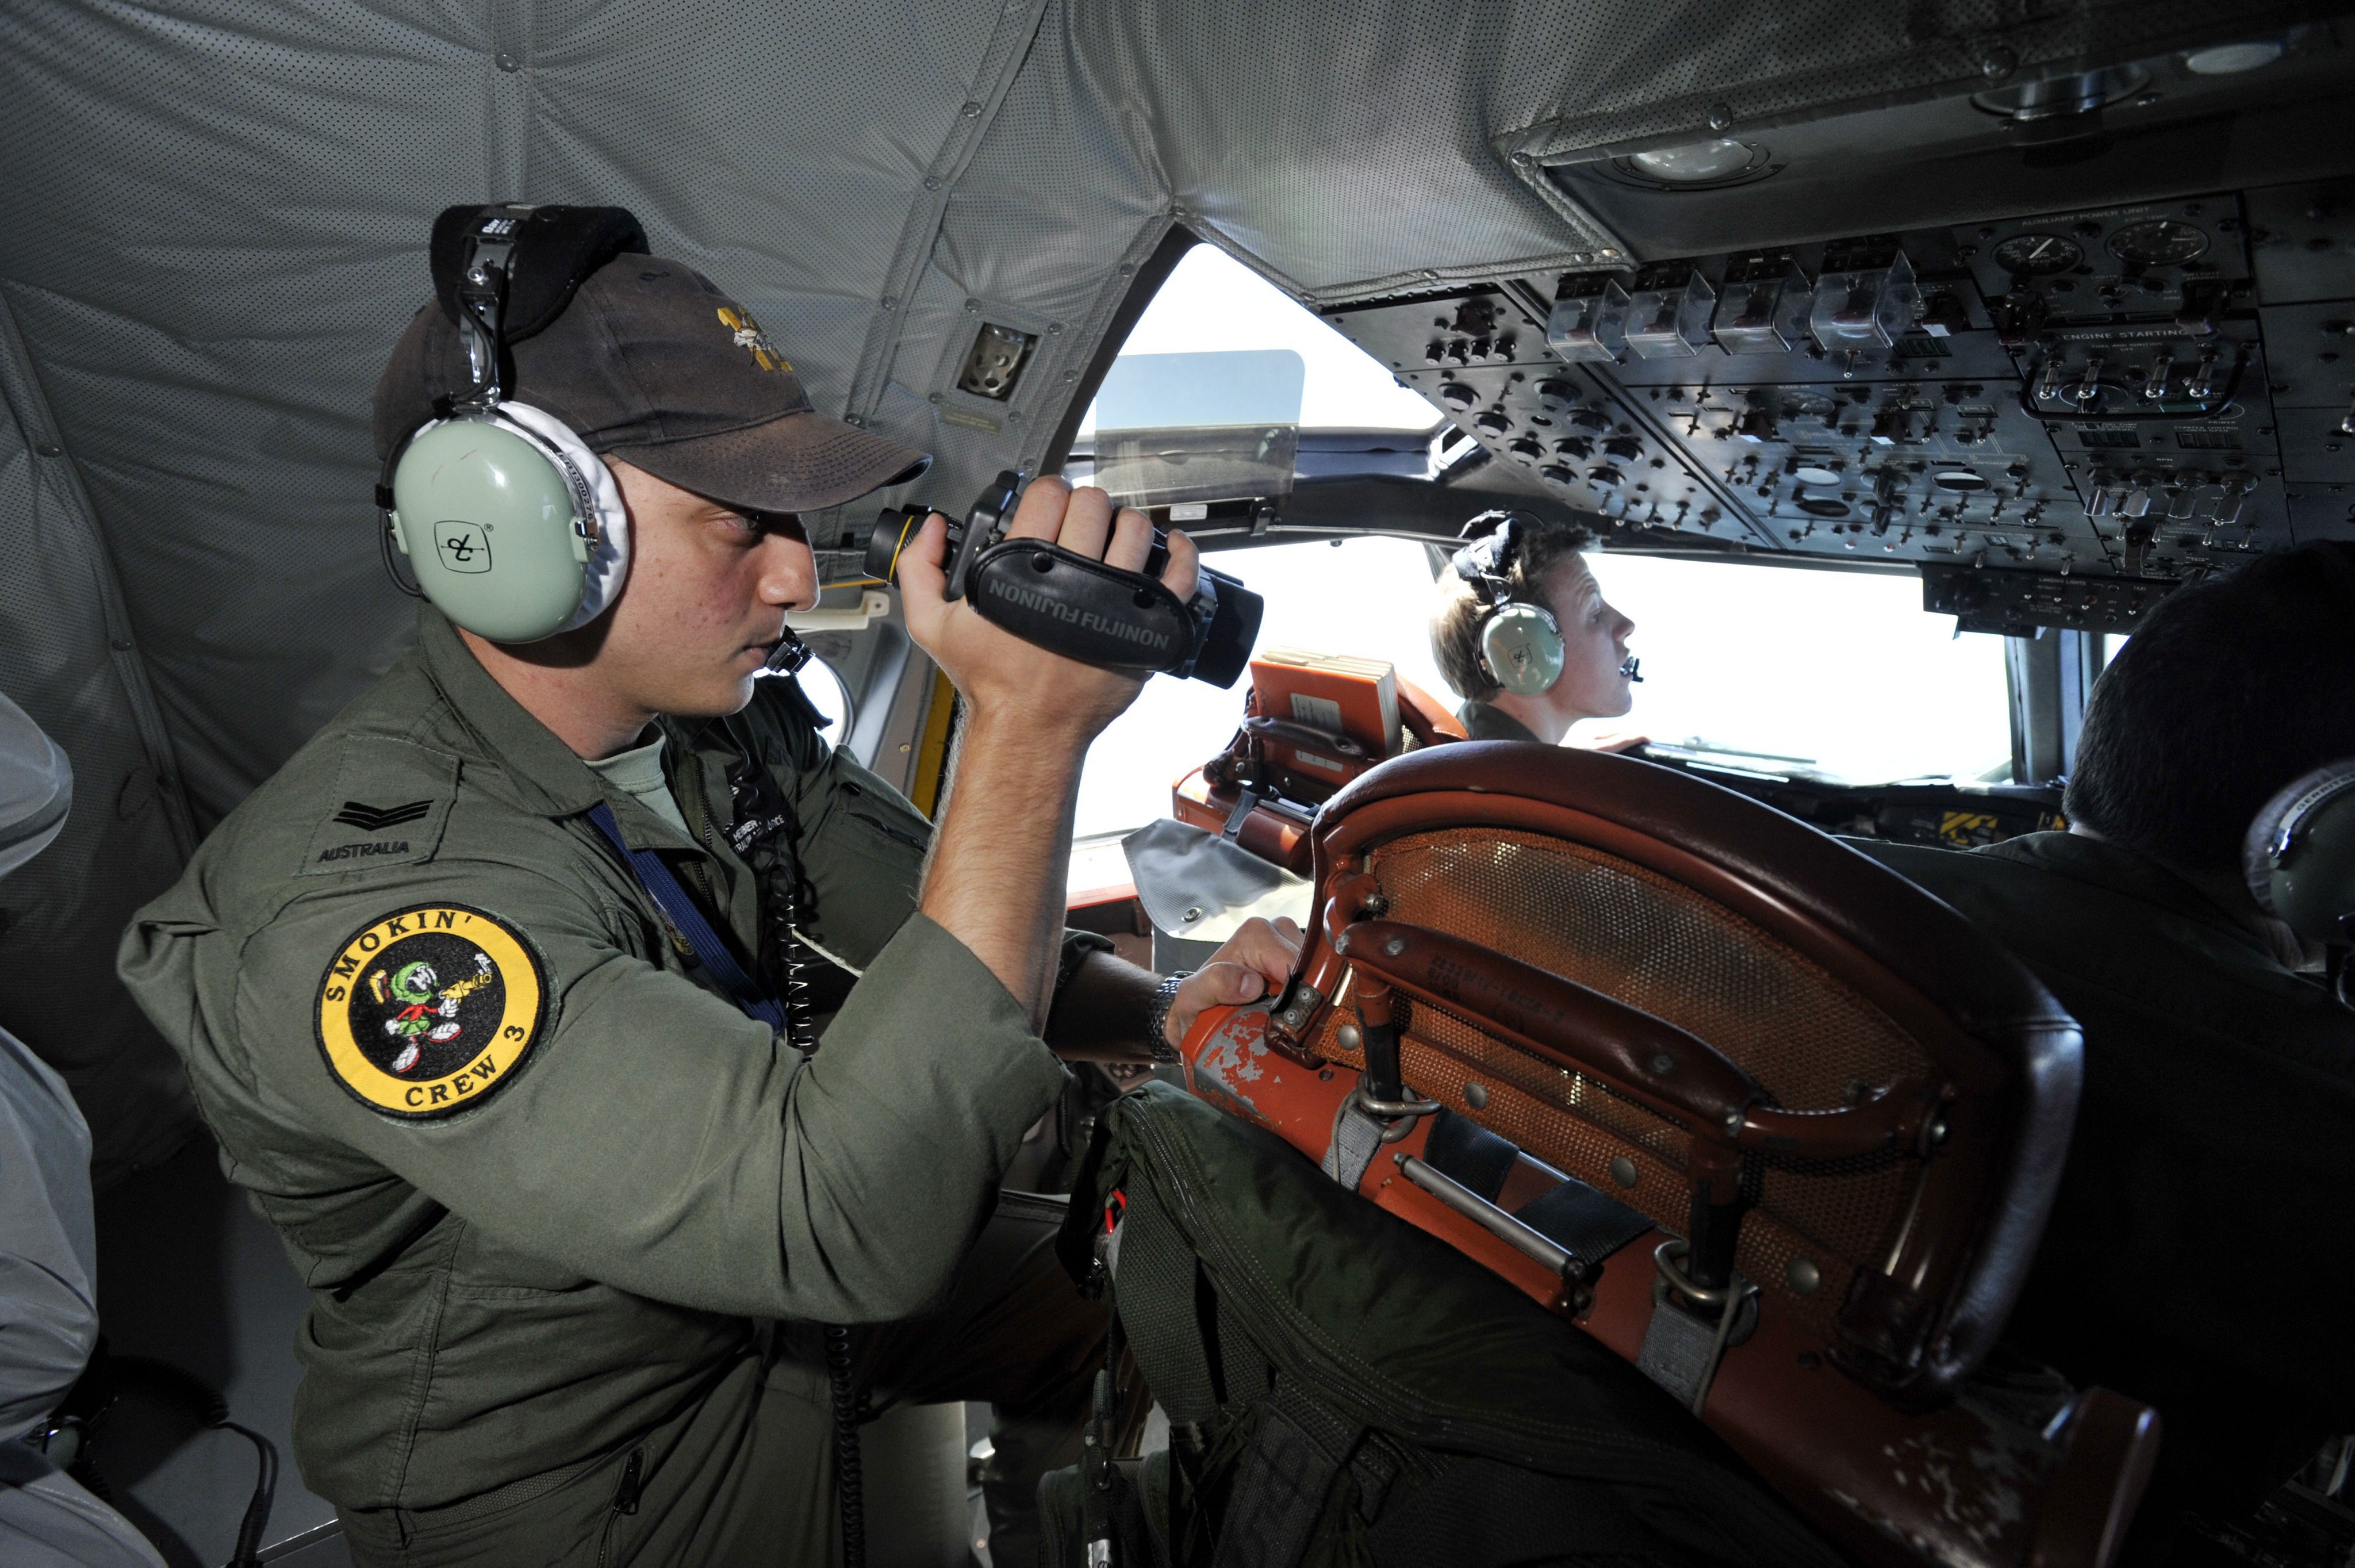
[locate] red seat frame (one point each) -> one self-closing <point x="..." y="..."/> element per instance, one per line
<point x="1851" y="1411"/>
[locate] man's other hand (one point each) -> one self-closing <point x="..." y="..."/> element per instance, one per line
<point x="1253" y="962"/>
<point x="998" y="673"/>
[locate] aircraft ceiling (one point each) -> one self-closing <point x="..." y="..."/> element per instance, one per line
<point x="213" y="219"/>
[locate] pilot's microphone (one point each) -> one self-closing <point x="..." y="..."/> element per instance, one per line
<point x="1628" y="667"/>
<point x="791" y="655"/>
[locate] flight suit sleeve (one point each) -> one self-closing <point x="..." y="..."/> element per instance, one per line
<point x="862" y="853"/>
<point x="596" y="1110"/>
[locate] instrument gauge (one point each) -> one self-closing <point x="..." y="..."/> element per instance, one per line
<point x="2037" y="255"/>
<point x="2158" y="242"/>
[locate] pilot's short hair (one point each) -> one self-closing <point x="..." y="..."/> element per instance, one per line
<point x="1456" y="624"/>
<point x="2231" y="689"/>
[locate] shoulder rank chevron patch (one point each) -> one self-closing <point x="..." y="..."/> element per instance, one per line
<point x="376" y="818"/>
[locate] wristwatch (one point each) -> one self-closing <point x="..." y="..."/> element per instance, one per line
<point x="1156" y="1018"/>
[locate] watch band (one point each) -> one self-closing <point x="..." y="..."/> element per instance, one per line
<point x="1157" y="1017"/>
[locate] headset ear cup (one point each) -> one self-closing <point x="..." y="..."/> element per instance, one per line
<point x="2299" y="855"/>
<point x="1521" y="647"/>
<point x="488" y="509"/>
<point x="605" y="554"/>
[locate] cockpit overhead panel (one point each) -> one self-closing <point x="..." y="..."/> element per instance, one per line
<point x="2143" y="393"/>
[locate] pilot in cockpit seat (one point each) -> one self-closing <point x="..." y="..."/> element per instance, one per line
<point x="1524" y="635"/>
<point x="2199" y="1255"/>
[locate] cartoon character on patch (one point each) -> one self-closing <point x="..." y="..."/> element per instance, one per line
<point x="429" y="1010"/>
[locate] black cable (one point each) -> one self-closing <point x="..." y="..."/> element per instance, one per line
<point x="185" y="1387"/>
<point x="800" y="1027"/>
<point x="801" y="1033"/>
<point x="847" y="1479"/>
<point x="250" y="1528"/>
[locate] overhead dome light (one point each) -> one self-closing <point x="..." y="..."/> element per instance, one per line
<point x="1695" y="166"/>
<point x="2231" y="59"/>
<point x="2058" y="97"/>
<point x="1695" y="163"/>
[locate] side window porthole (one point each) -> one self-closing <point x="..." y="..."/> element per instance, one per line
<point x="829" y="697"/>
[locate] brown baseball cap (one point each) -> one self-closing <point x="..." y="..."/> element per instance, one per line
<point x="652" y="363"/>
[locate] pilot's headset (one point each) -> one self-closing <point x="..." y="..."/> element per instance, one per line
<point x="515" y="530"/>
<point x="2298" y="858"/>
<point x="1520" y="643"/>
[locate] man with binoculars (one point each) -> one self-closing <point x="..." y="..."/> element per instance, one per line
<point x="504" y="997"/>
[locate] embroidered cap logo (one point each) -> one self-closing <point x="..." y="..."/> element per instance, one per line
<point x="750" y="336"/>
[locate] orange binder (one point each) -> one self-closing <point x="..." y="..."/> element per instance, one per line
<point x="1340" y="694"/>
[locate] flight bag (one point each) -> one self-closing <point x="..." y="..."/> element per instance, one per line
<point x="1343" y="1389"/>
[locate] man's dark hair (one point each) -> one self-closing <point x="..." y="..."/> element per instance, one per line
<point x="2228" y="690"/>
<point x="1456" y="624"/>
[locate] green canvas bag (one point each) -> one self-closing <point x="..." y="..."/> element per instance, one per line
<point x="1343" y="1390"/>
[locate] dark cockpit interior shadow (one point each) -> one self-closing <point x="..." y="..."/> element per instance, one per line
<point x="188" y="1276"/>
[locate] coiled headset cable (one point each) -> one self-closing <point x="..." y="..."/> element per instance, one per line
<point x="841" y="1372"/>
<point x="765" y="821"/>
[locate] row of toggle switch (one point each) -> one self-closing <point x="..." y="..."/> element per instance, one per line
<point x="2177" y="499"/>
<point x="2084" y="384"/>
<point x="1768" y="308"/>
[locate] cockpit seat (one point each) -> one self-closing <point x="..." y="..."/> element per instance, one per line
<point x="1247" y="794"/>
<point x="1758" y="1115"/>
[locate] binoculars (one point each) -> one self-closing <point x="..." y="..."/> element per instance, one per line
<point x="1082" y="609"/>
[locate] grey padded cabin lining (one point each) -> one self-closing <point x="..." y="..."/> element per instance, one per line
<point x="70" y="662"/>
<point x="214" y="221"/>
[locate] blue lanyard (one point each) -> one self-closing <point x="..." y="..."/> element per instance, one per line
<point x="664" y="890"/>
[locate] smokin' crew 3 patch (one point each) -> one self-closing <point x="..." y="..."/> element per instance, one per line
<point x="428" y="1011"/>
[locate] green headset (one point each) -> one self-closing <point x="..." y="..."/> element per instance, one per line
<point x="511" y="526"/>
<point x="1520" y="643"/>
<point x="2298" y="858"/>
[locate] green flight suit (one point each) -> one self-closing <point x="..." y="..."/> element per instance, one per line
<point x="2200" y="1255"/>
<point x="548" y="1187"/>
<point x="1482" y="722"/>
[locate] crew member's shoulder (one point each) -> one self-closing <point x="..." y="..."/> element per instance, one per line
<point x="388" y="786"/>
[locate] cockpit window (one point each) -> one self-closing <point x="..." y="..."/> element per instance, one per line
<point x="1786" y="671"/>
<point x="1835" y="673"/>
<point x="823" y="684"/>
<point x="1212" y="302"/>
<point x="1366" y="596"/>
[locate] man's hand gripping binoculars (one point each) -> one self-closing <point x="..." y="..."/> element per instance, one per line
<point x="1080" y="608"/>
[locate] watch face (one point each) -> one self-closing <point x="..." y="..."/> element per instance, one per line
<point x="2034" y="255"/>
<point x="2161" y="241"/>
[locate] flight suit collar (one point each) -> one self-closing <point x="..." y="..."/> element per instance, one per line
<point x="547" y="775"/>
<point x="1482" y="722"/>
<point x="548" y="778"/>
<point x="699" y="761"/>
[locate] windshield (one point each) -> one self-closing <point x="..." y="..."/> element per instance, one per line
<point x="1777" y="669"/>
<point x="1366" y="596"/>
<point x="1834" y="673"/>
<point x="1212" y="302"/>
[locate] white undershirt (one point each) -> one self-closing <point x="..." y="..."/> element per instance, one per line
<point x="638" y="774"/>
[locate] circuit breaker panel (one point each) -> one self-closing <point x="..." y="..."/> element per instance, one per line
<point x="2072" y="412"/>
